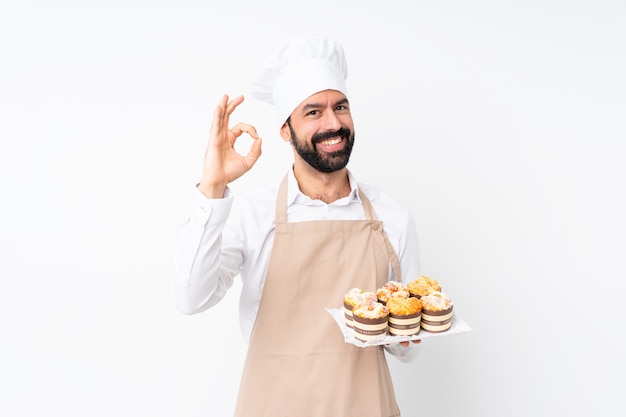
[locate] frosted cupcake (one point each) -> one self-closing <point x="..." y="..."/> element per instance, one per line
<point x="391" y="289"/>
<point x="370" y="320"/>
<point x="404" y="316"/>
<point x="422" y="286"/>
<point x="436" y="312"/>
<point x="351" y="298"/>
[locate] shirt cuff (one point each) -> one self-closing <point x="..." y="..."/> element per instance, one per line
<point x="211" y="210"/>
<point x="405" y="353"/>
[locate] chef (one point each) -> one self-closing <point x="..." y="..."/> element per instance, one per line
<point x="298" y="245"/>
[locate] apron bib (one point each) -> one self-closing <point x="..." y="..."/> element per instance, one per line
<point x="298" y="364"/>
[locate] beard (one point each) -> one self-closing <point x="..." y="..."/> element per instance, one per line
<point x="324" y="161"/>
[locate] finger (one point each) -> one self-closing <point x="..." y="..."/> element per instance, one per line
<point x="254" y="153"/>
<point x="232" y="105"/>
<point x="239" y="129"/>
<point x="222" y="114"/>
<point x="217" y="123"/>
<point x="244" y="127"/>
<point x="218" y="115"/>
<point x="417" y="341"/>
<point x="405" y="344"/>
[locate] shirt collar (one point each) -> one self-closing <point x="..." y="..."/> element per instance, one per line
<point x="295" y="195"/>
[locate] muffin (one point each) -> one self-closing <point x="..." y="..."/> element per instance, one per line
<point x="391" y="289"/>
<point x="422" y="286"/>
<point x="370" y="320"/>
<point x="351" y="298"/>
<point x="436" y="312"/>
<point x="404" y="316"/>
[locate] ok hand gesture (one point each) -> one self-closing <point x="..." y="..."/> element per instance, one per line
<point x="222" y="163"/>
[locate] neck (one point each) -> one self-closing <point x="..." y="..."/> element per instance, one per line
<point x="326" y="187"/>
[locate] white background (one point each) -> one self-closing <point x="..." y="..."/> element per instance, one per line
<point x="499" y="123"/>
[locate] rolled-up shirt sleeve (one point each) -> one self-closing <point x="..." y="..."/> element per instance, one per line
<point x="202" y="276"/>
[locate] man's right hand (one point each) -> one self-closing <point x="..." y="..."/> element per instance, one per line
<point x="222" y="163"/>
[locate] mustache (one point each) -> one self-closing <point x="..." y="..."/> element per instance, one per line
<point x="343" y="131"/>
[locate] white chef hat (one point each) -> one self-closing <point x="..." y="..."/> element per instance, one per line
<point x="300" y="68"/>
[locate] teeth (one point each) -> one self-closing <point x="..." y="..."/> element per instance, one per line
<point x="329" y="142"/>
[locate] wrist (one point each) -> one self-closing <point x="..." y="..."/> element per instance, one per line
<point x="211" y="191"/>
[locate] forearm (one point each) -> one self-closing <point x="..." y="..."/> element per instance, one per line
<point x="201" y="280"/>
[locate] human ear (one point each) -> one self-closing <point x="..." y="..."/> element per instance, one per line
<point x="285" y="132"/>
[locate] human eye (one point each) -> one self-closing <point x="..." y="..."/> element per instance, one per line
<point x="343" y="106"/>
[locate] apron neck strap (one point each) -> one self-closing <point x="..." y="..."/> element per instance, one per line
<point x="281" y="218"/>
<point x="281" y="203"/>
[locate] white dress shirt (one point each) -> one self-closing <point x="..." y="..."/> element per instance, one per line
<point x="232" y="236"/>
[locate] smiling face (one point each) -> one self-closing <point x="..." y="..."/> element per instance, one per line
<point x="321" y="131"/>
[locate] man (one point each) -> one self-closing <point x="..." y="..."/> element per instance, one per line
<point x="298" y="246"/>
